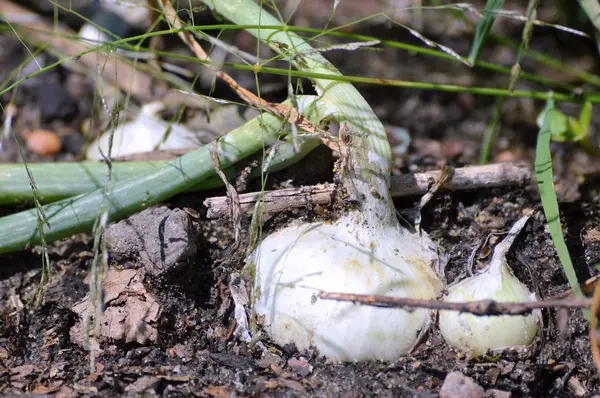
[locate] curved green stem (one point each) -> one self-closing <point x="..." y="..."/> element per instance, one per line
<point x="57" y="181"/>
<point x="75" y="215"/>
<point x="367" y="156"/>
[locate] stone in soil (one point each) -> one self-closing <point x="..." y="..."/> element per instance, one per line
<point x="158" y="239"/>
<point x="457" y="385"/>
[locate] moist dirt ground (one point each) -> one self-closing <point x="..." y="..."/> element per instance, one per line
<point x="173" y="277"/>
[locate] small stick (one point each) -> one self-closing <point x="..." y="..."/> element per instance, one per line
<point x="445" y="176"/>
<point x="488" y="176"/>
<point x="232" y="195"/>
<point x="586" y="287"/>
<point x="478" y="308"/>
<point x="279" y="110"/>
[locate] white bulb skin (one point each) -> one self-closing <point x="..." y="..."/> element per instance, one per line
<point x="478" y="334"/>
<point x="143" y="134"/>
<point x="295" y="264"/>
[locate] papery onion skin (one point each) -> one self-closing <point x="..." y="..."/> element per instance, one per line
<point x="295" y="264"/>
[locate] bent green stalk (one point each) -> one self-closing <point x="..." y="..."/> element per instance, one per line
<point x="369" y="153"/>
<point x="57" y="181"/>
<point x="75" y="215"/>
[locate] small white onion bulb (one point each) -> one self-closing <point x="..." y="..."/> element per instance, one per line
<point x="478" y="334"/>
<point x="143" y="134"/>
<point x="293" y="265"/>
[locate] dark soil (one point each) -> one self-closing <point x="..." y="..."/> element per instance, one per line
<point x="184" y="261"/>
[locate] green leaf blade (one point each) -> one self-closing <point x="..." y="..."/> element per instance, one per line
<point x="483" y="28"/>
<point x="543" y="171"/>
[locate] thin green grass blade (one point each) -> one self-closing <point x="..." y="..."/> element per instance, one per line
<point x="594" y="97"/>
<point x="538" y="57"/>
<point x="483" y="28"/>
<point x="359" y="37"/>
<point x="585" y="118"/>
<point x="543" y="171"/>
<point x="486" y="146"/>
<point x="524" y="47"/>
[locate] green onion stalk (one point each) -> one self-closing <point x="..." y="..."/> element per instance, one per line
<point x="130" y="195"/>
<point x="62" y="180"/>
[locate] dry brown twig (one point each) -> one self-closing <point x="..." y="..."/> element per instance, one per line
<point x="586" y="287"/>
<point x="282" y="111"/>
<point x="488" y="176"/>
<point x="232" y="196"/>
<point x="446" y="175"/>
<point x="479" y="308"/>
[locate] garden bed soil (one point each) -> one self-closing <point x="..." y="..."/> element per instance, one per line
<point x="183" y="296"/>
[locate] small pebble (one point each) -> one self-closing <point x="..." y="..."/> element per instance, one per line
<point x="185" y="352"/>
<point x="505" y="157"/>
<point x="576" y="387"/>
<point x="300" y="366"/>
<point x="457" y="385"/>
<point x="494" y="393"/>
<point x="43" y="142"/>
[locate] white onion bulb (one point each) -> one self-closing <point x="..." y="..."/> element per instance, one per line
<point x="294" y="264"/>
<point x="478" y="334"/>
<point x="143" y="134"/>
